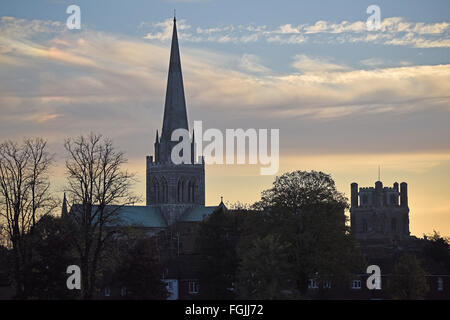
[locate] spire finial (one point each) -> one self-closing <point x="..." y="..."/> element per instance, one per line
<point x="379" y="175"/>
<point x="174" y="14"/>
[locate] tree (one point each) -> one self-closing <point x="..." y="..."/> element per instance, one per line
<point x="264" y="270"/>
<point x="140" y="272"/>
<point x="308" y="213"/>
<point x="52" y="253"/>
<point x="436" y="252"/>
<point x="24" y="198"/>
<point x="301" y="190"/>
<point x="407" y="281"/>
<point x="218" y="236"/>
<point x="98" y="188"/>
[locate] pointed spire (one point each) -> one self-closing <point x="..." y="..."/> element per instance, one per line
<point x="193" y="148"/>
<point x="157" y="137"/>
<point x="64" y="206"/>
<point x="175" y="115"/>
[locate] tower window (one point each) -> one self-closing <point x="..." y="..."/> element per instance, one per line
<point x="191" y="191"/>
<point x="164" y="191"/>
<point x="180" y="193"/>
<point x="364" y="200"/>
<point x="156" y="196"/>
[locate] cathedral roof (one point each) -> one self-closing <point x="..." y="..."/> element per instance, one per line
<point x="132" y="216"/>
<point x="197" y="214"/>
<point x="141" y="216"/>
<point x="151" y="216"/>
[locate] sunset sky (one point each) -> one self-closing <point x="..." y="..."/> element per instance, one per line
<point x="346" y="100"/>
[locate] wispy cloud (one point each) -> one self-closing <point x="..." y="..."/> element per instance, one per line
<point x="73" y="82"/>
<point x="392" y="31"/>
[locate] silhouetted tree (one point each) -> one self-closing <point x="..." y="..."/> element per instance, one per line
<point x="218" y="236"/>
<point x="24" y="198"/>
<point x="407" y="281"/>
<point x="298" y="191"/>
<point x="436" y="252"/>
<point x="98" y="187"/>
<point x="308" y="213"/>
<point x="52" y="254"/>
<point x="264" y="269"/>
<point x="139" y="272"/>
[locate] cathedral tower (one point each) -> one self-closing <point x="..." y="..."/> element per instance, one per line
<point x="174" y="188"/>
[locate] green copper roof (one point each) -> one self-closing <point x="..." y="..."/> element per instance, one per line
<point x="141" y="216"/>
<point x="197" y="213"/>
<point x="151" y="216"/>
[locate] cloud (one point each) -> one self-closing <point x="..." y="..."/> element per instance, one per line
<point x="305" y="64"/>
<point x="252" y="63"/>
<point x="77" y="82"/>
<point x="392" y="31"/>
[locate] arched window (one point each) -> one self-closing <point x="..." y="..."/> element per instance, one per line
<point x="189" y="191"/>
<point x="164" y="191"/>
<point x="155" y="191"/>
<point x="183" y="193"/>
<point x="180" y="191"/>
<point x="193" y="191"/>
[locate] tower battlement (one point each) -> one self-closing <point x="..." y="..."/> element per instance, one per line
<point x="379" y="212"/>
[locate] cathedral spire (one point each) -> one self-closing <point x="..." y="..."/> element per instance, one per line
<point x="175" y="115"/>
<point x="64" y="207"/>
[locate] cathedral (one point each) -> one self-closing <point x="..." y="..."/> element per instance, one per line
<point x="175" y="195"/>
<point x="174" y="192"/>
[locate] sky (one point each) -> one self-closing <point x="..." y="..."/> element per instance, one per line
<point x="345" y="99"/>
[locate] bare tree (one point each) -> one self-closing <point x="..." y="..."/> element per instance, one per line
<point x="24" y="197"/>
<point x="98" y="187"/>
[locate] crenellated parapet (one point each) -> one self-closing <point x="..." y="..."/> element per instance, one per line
<point x="379" y="212"/>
